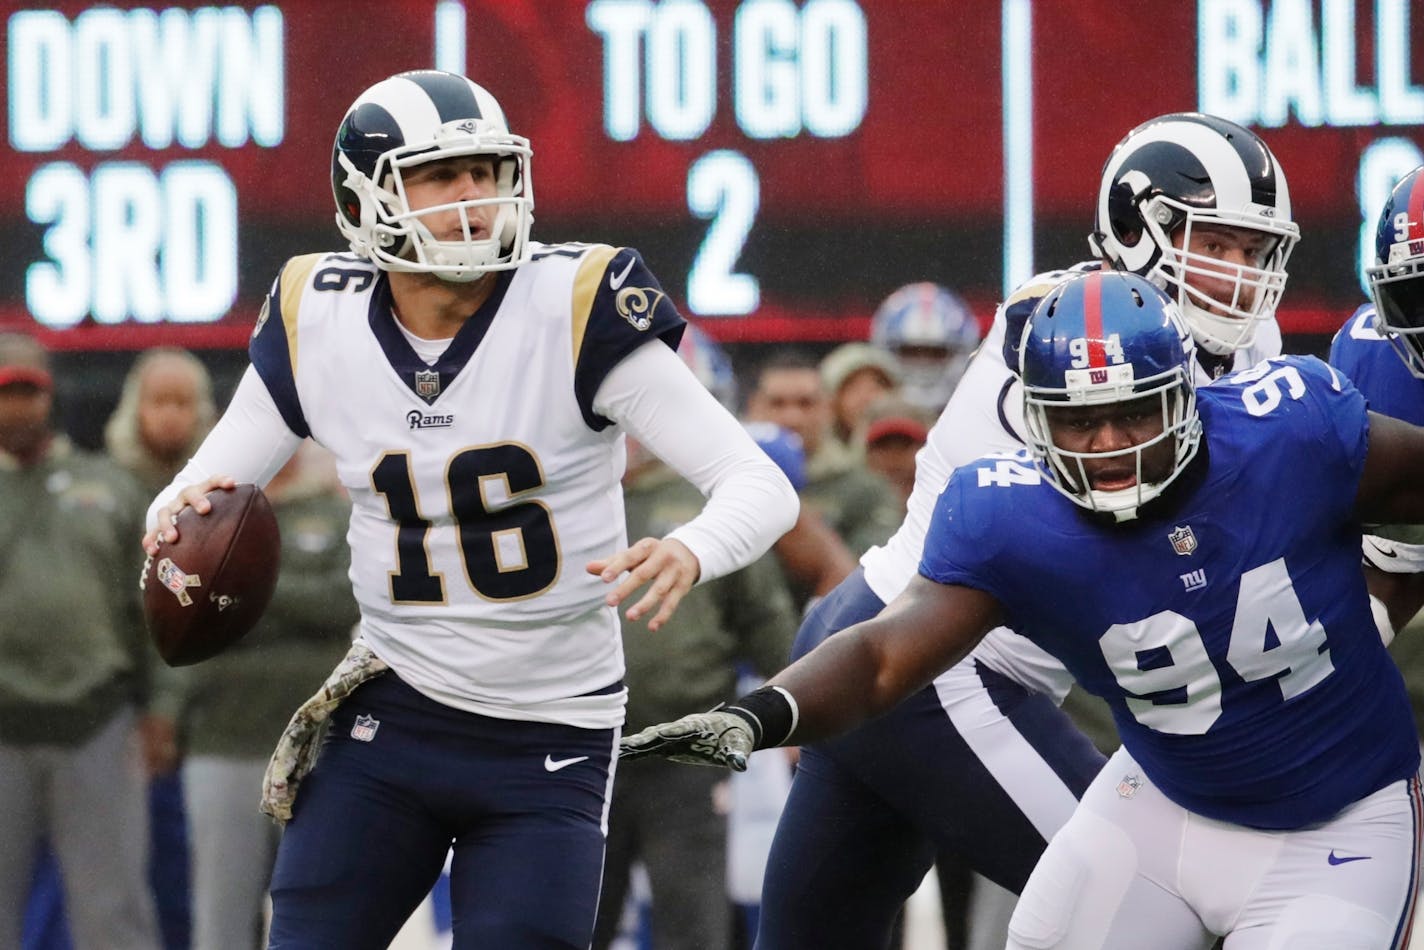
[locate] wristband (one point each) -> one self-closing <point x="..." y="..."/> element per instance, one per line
<point x="770" y="711"/>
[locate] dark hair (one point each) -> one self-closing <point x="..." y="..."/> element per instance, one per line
<point x="785" y="358"/>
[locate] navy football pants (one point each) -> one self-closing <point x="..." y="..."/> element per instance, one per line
<point x="869" y="810"/>
<point x="375" y="819"/>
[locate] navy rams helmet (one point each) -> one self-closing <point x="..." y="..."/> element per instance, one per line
<point x="1178" y="172"/>
<point x="1108" y="337"/>
<point x="932" y="334"/>
<point x="1397" y="277"/>
<point x="407" y="120"/>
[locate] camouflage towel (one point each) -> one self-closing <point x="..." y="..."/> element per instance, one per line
<point x="301" y="741"/>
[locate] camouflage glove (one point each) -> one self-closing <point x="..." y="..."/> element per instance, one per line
<point x="718" y="738"/>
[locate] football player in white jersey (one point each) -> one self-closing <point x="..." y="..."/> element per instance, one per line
<point x="475" y="387"/>
<point x="1191" y="553"/>
<point x="982" y="762"/>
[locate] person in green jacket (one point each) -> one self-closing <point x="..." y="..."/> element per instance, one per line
<point x="74" y="670"/>
<point x="165" y="410"/>
<point x="745" y="617"/>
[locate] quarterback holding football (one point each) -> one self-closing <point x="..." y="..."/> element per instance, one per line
<point x="475" y="387"/>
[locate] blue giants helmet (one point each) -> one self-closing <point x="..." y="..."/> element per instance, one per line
<point x="932" y="334"/>
<point x="1108" y="337"/>
<point x="1397" y="277"/>
<point x="418" y="117"/>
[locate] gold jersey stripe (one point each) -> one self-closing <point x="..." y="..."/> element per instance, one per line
<point x="294" y="281"/>
<point x="1031" y="291"/>
<point x="586" y="281"/>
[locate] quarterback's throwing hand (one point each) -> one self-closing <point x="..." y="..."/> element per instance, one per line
<point x="709" y="738"/>
<point x="665" y="565"/>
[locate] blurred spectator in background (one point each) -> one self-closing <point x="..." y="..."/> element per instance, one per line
<point x="74" y="670"/>
<point x="856" y="375"/>
<point x="894" y="430"/>
<point x="932" y="334"/>
<point x="164" y="412"/>
<point x="234" y="706"/>
<point x="813" y="556"/>
<point x="746" y="615"/>
<point x="854" y="502"/>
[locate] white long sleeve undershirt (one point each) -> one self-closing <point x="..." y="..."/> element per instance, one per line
<point x="655" y="398"/>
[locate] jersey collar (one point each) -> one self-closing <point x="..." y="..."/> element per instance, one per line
<point x="426" y="381"/>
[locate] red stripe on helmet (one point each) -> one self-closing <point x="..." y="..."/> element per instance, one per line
<point x="1093" y="319"/>
<point x="1416" y="209"/>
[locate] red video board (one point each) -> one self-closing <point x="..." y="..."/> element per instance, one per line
<point x="782" y="165"/>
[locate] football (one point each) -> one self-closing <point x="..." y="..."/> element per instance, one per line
<point x="205" y="591"/>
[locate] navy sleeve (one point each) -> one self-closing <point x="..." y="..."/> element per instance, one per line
<point x="628" y="307"/>
<point x="274" y="340"/>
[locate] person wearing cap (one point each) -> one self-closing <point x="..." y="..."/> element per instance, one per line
<point x="74" y="675"/>
<point x="894" y="431"/>
<point x="855" y="375"/>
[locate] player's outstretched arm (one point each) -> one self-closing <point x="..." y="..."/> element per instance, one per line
<point x="1391" y="489"/>
<point x="858" y="673"/>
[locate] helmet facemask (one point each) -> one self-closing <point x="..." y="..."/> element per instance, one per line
<point x="1171" y="176"/>
<point x="1067" y="470"/>
<point x="397" y="238"/>
<point x="1220" y="326"/>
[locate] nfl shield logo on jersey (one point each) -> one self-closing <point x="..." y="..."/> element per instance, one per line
<point x="1128" y="786"/>
<point x="427" y="383"/>
<point x="1183" y="541"/>
<point x="365" y="727"/>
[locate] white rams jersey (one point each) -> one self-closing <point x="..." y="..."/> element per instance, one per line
<point x="985" y="415"/>
<point x="480" y="484"/>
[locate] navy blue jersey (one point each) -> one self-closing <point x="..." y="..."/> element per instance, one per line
<point x="1231" y="636"/>
<point x="1372" y="364"/>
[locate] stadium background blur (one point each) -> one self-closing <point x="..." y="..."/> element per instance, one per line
<point x="782" y="166"/>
